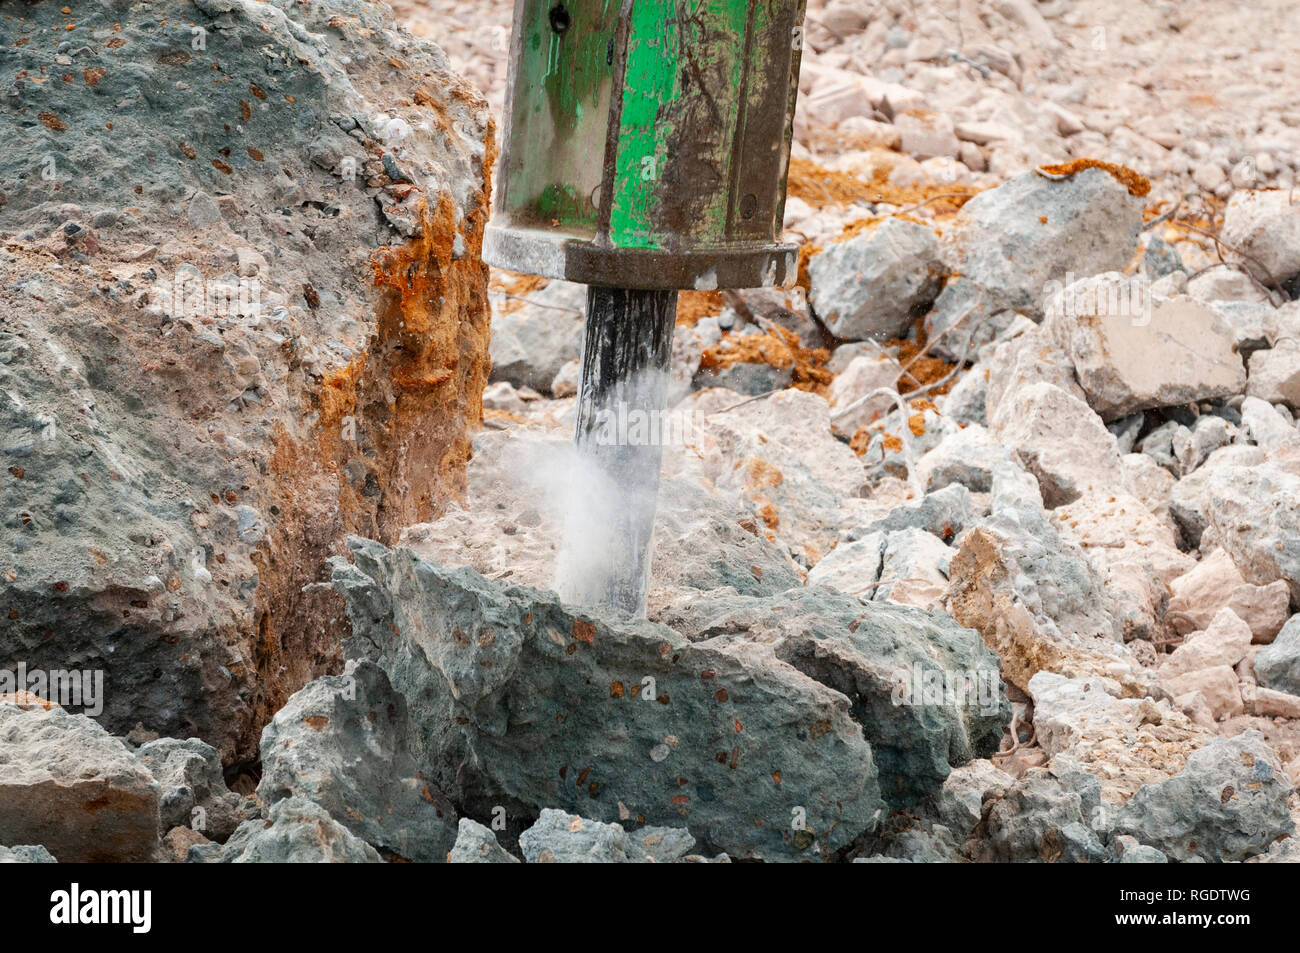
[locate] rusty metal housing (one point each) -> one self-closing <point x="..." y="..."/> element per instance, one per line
<point x="647" y="143"/>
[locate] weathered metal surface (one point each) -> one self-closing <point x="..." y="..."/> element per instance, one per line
<point x="542" y="252"/>
<point x="648" y="142"/>
<point x="561" y="80"/>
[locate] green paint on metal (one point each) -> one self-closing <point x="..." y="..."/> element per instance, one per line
<point x="697" y="137"/>
<point x="560" y="112"/>
<point x="649" y="84"/>
<point x="575" y="62"/>
<point x="681" y="92"/>
<point x="719" y="28"/>
<point x="733" y="20"/>
<point x="561" y="203"/>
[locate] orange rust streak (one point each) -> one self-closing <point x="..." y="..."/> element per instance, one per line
<point x="819" y="186"/>
<point x="777" y="347"/>
<point x="1136" y="183"/>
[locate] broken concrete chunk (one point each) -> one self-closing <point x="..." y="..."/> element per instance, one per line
<point x="476" y="844"/>
<point x="1277" y="666"/>
<point x="1229" y="803"/>
<point x="26" y="854"/>
<point x="1263" y="228"/>
<point x="1275" y="374"/>
<point x="1060" y="441"/>
<point x="1124" y="742"/>
<point x="296" y="831"/>
<point x="851" y="406"/>
<point x="1009" y="242"/>
<point x="606" y="713"/>
<point x="1256" y="518"/>
<point x="70" y="786"/>
<point x="345" y="742"/>
<point x="1137" y="354"/>
<point x="193" y="787"/>
<point x="561" y="838"/>
<point x="1225" y="642"/>
<point x="1215" y="584"/>
<point x="875" y="283"/>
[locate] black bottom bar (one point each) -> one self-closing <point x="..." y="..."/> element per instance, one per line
<point x="257" y="905"/>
